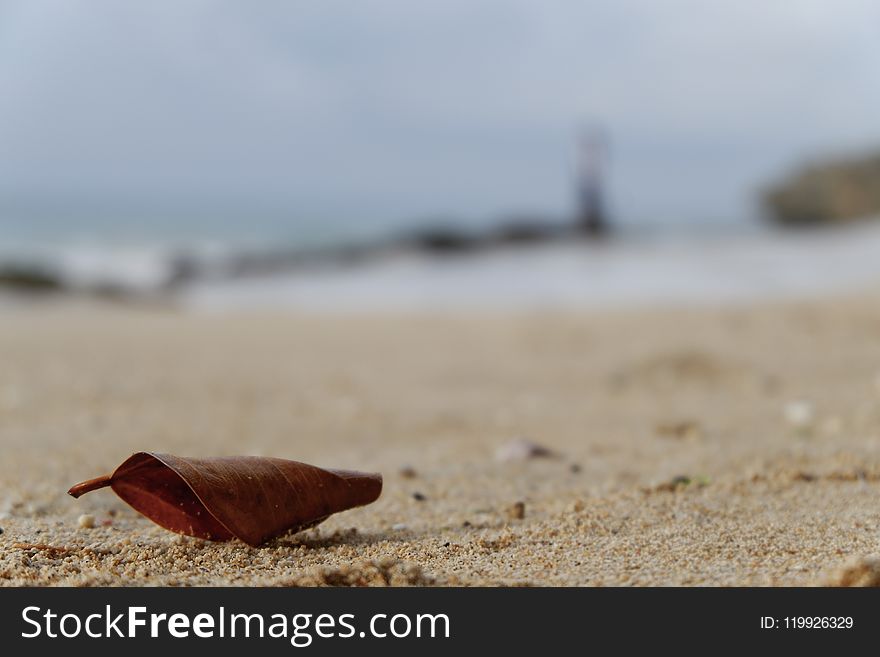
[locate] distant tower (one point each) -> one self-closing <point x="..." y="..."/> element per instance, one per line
<point x="592" y="152"/>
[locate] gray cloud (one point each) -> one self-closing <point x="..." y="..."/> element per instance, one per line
<point x="392" y="108"/>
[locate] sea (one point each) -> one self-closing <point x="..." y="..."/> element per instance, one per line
<point x="275" y="263"/>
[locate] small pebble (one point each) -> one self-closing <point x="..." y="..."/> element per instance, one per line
<point x="408" y="472"/>
<point x="517" y="511"/>
<point x="1" y="531"/>
<point x="574" y="468"/>
<point x="86" y="521"/>
<point x="833" y="425"/>
<point x="522" y="450"/>
<point x="399" y="527"/>
<point x="799" y="414"/>
<point x="682" y="430"/>
<point x="419" y="497"/>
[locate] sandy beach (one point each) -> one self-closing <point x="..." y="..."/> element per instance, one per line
<point x="735" y="445"/>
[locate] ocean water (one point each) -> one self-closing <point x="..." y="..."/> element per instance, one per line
<point x="631" y="268"/>
<point x="140" y="253"/>
<point x="626" y="272"/>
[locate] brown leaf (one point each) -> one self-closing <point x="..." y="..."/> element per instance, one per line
<point x="246" y="497"/>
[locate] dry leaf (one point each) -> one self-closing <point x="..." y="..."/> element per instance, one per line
<point x="246" y="497"/>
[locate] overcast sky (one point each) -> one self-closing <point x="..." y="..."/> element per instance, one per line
<point x="391" y="109"/>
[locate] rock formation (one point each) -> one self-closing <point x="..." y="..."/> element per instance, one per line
<point x="827" y="192"/>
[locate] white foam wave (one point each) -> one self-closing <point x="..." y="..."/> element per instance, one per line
<point x="577" y="275"/>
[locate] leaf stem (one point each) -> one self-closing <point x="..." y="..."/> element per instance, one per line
<point x="89" y="486"/>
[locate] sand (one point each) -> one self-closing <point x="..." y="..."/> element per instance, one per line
<point x="711" y="446"/>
